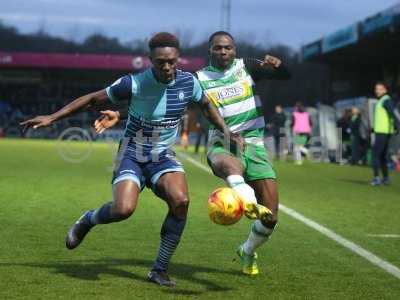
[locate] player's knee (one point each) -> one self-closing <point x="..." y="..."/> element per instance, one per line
<point x="124" y="210"/>
<point x="180" y="205"/>
<point x="273" y="219"/>
<point x="225" y="167"/>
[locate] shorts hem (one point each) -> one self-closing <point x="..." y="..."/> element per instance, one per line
<point x="261" y="178"/>
<point x="157" y="176"/>
<point x="128" y="177"/>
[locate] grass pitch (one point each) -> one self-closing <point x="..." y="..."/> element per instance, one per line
<point x="42" y="194"/>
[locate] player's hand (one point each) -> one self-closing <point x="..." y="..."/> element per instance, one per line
<point x="107" y="120"/>
<point x="238" y="140"/>
<point x="37" y="122"/>
<point x="272" y="61"/>
<point x="185" y="140"/>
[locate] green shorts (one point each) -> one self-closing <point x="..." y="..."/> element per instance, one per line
<point x="255" y="161"/>
<point x="301" y="139"/>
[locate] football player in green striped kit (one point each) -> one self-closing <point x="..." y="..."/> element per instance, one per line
<point x="228" y="82"/>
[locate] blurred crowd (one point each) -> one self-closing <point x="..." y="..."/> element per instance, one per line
<point x="20" y="101"/>
<point x="290" y="132"/>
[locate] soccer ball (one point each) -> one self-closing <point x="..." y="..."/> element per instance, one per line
<point x="225" y="206"/>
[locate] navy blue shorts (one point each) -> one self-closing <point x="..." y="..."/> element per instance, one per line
<point x="144" y="173"/>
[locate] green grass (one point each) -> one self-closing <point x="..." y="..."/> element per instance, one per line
<point x="42" y="195"/>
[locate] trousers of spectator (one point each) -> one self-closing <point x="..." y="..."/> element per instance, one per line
<point x="277" y="144"/>
<point x="355" y="149"/>
<point x="380" y="154"/>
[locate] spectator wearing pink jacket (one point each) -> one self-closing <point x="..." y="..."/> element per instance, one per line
<point x="302" y="127"/>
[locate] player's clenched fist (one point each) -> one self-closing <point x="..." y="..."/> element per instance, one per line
<point x="270" y="60"/>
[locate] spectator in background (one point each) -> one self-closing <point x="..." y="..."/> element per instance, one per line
<point x="355" y="135"/>
<point x="5" y="113"/>
<point x="202" y="132"/>
<point x="385" y="116"/>
<point x="302" y="126"/>
<point x="344" y="125"/>
<point x="278" y="129"/>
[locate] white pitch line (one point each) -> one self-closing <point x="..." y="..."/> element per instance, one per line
<point x="372" y="258"/>
<point x="393" y="236"/>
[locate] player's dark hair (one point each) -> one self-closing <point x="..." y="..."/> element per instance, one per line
<point x="163" y="39"/>
<point x="217" y="33"/>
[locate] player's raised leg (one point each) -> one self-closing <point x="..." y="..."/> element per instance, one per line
<point x="267" y="193"/>
<point x="229" y="168"/>
<point x="172" y="188"/>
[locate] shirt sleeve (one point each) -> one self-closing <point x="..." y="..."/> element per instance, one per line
<point x="392" y="110"/>
<point x="258" y="72"/>
<point x="197" y="91"/>
<point x="122" y="89"/>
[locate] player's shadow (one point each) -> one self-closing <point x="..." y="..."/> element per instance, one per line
<point x="91" y="269"/>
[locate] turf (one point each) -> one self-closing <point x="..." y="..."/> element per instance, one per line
<point x="42" y="195"/>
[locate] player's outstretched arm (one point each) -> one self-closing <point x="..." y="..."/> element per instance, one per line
<point x="95" y="98"/>
<point x="213" y="116"/>
<point x="269" y="68"/>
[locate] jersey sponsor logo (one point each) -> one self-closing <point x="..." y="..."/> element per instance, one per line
<point x="155" y="125"/>
<point x="230" y="92"/>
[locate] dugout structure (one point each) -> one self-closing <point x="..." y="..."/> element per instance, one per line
<point x="359" y="55"/>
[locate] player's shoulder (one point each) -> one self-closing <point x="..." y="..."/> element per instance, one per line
<point x="183" y="77"/>
<point x="142" y="75"/>
<point x="206" y="73"/>
<point x="141" y="80"/>
<point x="239" y="63"/>
<point x="183" y="74"/>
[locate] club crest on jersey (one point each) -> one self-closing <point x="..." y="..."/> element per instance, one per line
<point x="181" y="95"/>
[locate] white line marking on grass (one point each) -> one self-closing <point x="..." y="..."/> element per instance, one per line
<point x="372" y="258"/>
<point x="394" y="236"/>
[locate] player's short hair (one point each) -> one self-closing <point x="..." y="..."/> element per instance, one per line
<point x="163" y="39"/>
<point x="217" y="33"/>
